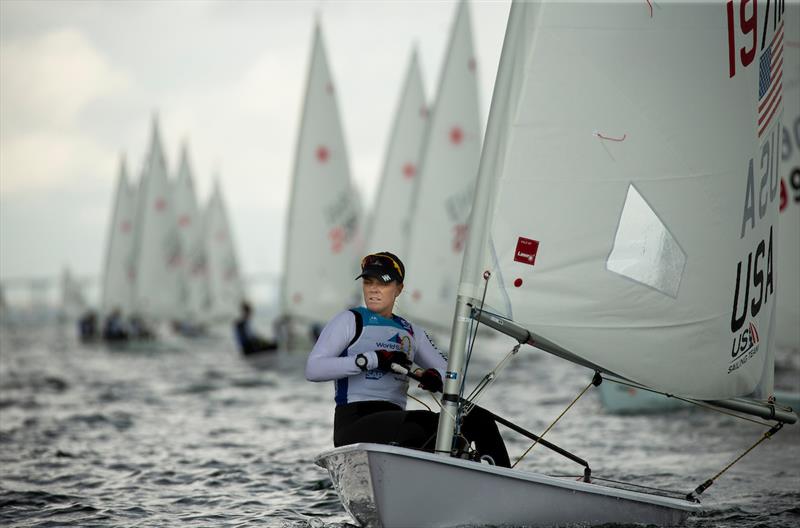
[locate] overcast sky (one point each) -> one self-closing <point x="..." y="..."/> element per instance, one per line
<point x="80" y="82"/>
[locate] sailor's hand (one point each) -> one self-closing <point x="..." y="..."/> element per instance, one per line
<point x="431" y="380"/>
<point x="387" y="357"/>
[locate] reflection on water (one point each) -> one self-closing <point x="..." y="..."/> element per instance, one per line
<point x="198" y="435"/>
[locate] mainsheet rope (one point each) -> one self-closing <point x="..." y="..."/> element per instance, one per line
<point x="554" y="422"/>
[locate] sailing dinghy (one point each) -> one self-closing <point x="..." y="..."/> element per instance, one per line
<point x="623" y="220"/>
<point x="324" y="212"/>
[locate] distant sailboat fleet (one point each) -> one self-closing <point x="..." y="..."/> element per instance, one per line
<point x="168" y="261"/>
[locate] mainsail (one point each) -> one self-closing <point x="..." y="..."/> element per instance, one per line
<point x="323" y="220"/>
<point x="157" y="245"/>
<point x="73" y="302"/>
<point x="443" y="196"/>
<point x="388" y="228"/>
<point x="225" y="288"/>
<point x="787" y="329"/>
<point x="194" y="278"/>
<point x="627" y="197"/>
<point x="119" y="270"/>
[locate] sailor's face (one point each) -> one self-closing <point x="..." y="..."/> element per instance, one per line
<point x="379" y="296"/>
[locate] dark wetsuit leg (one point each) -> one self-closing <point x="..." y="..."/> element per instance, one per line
<point x="479" y="427"/>
<point x="384" y="423"/>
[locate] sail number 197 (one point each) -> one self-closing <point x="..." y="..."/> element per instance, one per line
<point x="744" y="22"/>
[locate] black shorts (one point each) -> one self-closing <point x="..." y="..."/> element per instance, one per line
<point x="383" y="422"/>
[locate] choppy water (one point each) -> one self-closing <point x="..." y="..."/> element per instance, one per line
<point x="203" y="437"/>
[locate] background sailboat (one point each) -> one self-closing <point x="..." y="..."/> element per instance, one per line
<point x="323" y="223"/>
<point x="614" y="234"/>
<point x="388" y="228"/>
<point x="225" y="288"/>
<point x="157" y="244"/>
<point x="73" y="301"/>
<point x="119" y="271"/>
<point x="194" y="278"/>
<point x="787" y="266"/>
<point x="443" y="194"/>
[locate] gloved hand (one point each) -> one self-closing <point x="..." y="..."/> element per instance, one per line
<point x="431" y="380"/>
<point x="387" y="357"/>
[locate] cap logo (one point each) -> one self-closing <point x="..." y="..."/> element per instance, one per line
<point x="386" y="278"/>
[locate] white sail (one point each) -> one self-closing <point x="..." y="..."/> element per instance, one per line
<point x="194" y="277"/>
<point x="225" y="288"/>
<point x="388" y="229"/>
<point x="787" y="329"/>
<point x="443" y="197"/>
<point x="157" y="246"/>
<point x="323" y="220"/>
<point x="628" y="193"/>
<point x="119" y="270"/>
<point x="73" y="302"/>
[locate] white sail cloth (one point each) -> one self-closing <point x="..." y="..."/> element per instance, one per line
<point x="323" y="220"/>
<point x="119" y="268"/>
<point x="388" y="228"/>
<point x="443" y="196"/>
<point x="157" y="245"/>
<point x="628" y="192"/>
<point x="225" y="288"/>
<point x="193" y="292"/>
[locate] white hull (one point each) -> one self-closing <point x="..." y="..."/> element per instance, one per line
<point x="393" y="487"/>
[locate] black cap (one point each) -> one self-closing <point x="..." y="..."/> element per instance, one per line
<point x="384" y="266"/>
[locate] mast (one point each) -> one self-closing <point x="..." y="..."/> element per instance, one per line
<point x="503" y="99"/>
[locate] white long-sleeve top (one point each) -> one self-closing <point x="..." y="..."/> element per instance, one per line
<point x="333" y="356"/>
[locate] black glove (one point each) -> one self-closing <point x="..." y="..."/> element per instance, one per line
<point x="387" y="357"/>
<point x="431" y="380"/>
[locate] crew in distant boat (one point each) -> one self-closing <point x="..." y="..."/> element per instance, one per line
<point x="188" y="328"/>
<point x="356" y="350"/>
<point x="139" y="328"/>
<point x="87" y="326"/>
<point x="249" y="342"/>
<point x="114" y="327"/>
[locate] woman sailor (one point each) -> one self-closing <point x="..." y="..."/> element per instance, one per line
<point x="356" y="350"/>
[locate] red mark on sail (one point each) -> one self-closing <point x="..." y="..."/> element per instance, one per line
<point x="323" y="154"/>
<point x="409" y="170"/>
<point x="329" y="88"/>
<point x="125" y="227"/>
<point x="518" y="282"/>
<point x="471" y="64"/>
<point x="160" y="204"/>
<point x="416" y="295"/>
<point x="423" y="112"/>
<point x="784" y="195"/>
<point x="184" y="221"/>
<point x="297" y="298"/>
<point x="526" y="251"/>
<point x="337" y="236"/>
<point x="609" y="138"/>
<point x="459" y="237"/>
<point x="456" y="135"/>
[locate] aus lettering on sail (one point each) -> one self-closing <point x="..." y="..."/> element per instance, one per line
<point x="755" y="39"/>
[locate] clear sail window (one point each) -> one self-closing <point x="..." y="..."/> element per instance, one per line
<point x="644" y="249"/>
